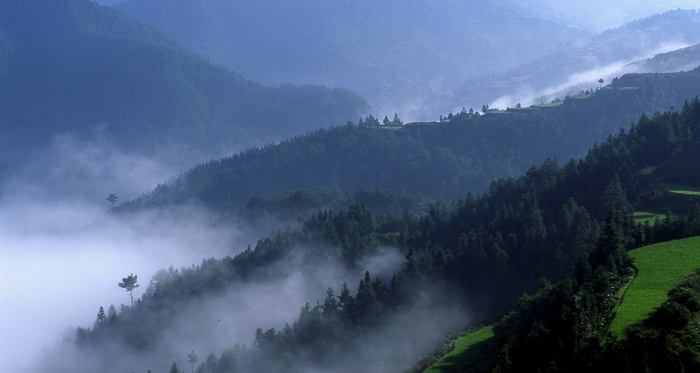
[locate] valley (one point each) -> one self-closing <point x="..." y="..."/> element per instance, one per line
<point x="531" y="206"/>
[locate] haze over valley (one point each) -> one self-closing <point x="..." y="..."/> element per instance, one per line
<point x="337" y="186"/>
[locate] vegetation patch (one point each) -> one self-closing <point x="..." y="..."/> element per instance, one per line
<point x="682" y="189"/>
<point x="660" y="268"/>
<point x="647" y="217"/>
<point x="554" y="104"/>
<point x="466" y="351"/>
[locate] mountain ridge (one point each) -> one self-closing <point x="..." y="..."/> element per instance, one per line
<point x="73" y="65"/>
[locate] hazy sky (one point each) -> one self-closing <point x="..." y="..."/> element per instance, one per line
<point x="603" y="14"/>
<point x="596" y="14"/>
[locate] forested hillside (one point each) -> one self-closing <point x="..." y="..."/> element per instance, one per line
<point x="348" y="246"/>
<point x="684" y="59"/>
<point x="460" y="154"/>
<point x="482" y="252"/>
<point x="72" y="65"/>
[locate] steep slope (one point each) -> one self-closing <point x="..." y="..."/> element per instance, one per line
<point x="394" y="53"/>
<point x="683" y="59"/>
<point x="578" y="66"/>
<point x="483" y="252"/>
<point x="463" y="153"/>
<point x="71" y="65"/>
<point x="567" y="325"/>
<point x="659" y="269"/>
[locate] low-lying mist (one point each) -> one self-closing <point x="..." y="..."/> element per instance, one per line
<point x="64" y="253"/>
<point x="586" y="79"/>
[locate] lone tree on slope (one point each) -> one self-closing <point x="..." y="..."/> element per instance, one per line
<point x="112" y="198"/>
<point x="130" y="283"/>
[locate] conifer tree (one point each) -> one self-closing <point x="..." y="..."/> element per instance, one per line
<point x="101" y="318"/>
<point x="192" y="358"/>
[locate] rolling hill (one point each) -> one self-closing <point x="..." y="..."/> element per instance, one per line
<point x="463" y="153"/>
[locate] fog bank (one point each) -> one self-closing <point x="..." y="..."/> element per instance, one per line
<point x="63" y="253"/>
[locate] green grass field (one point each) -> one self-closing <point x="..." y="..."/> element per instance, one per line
<point x="467" y="350"/>
<point x="647" y="217"/>
<point x="682" y="189"/>
<point x="660" y="268"/>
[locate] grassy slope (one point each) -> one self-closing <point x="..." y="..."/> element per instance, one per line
<point x="682" y="189"/>
<point x="467" y="349"/>
<point x="675" y="198"/>
<point x="661" y="267"/>
<point x="647" y="217"/>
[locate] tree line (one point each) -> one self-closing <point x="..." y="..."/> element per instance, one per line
<point x="488" y="248"/>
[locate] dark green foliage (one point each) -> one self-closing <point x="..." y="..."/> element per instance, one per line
<point x="301" y="203"/>
<point x="562" y="327"/>
<point x="487" y="249"/>
<point x="463" y="154"/>
<point x="668" y="340"/>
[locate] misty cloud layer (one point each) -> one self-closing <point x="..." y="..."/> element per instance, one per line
<point x="586" y="79"/>
<point x="63" y="253"/>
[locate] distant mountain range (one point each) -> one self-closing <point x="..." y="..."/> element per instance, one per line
<point x="426" y="58"/>
<point x="578" y="66"/>
<point x="396" y="54"/>
<point x="72" y="65"/>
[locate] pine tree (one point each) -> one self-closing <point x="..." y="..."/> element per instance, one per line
<point x="129" y="283"/>
<point x="330" y="305"/>
<point x="101" y="318"/>
<point x="344" y="296"/>
<point x="192" y="358"/>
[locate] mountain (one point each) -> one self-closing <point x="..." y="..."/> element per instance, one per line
<point x="71" y="65"/>
<point x="395" y="54"/>
<point x="476" y="257"/>
<point x="463" y="153"/>
<point x="683" y="59"/>
<point x="577" y="66"/>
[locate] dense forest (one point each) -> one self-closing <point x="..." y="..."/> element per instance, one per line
<point x="463" y="152"/>
<point x="71" y="65"/>
<point x="368" y="245"/>
<point x="485" y="250"/>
